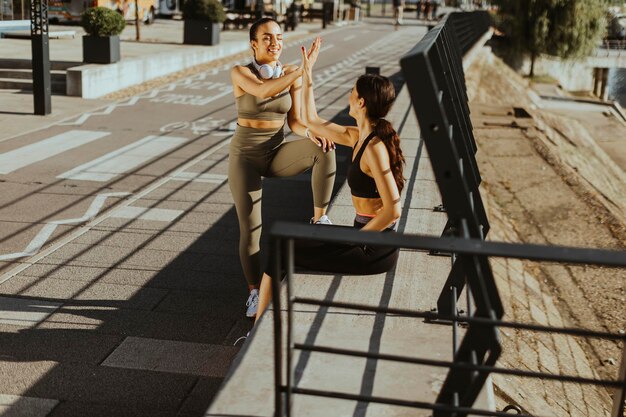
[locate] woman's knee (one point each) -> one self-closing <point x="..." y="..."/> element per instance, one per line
<point x="327" y="158"/>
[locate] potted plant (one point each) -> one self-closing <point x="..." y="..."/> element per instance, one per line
<point x="101" y="45"/>
<point x="203" y="20"/>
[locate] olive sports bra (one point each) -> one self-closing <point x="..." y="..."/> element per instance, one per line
<point x="255" y="108"/>
<point x="361" y="184"/>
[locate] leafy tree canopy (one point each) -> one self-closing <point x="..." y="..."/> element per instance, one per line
<point x="567" y="29"/>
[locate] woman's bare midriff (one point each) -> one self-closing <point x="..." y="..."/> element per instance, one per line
<point x="367" y="206"/>
<point x="260" y="124"/>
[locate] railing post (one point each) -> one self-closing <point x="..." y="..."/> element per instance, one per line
<point x="278" y="342"/>
<point x="619" y="396"/>
<point x="40" y="57"/>
<point x="290" y="370"/>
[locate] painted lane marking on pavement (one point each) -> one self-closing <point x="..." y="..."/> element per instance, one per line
<point x="96" y="221"/>
<point x="147" y="213"/>
<point x="198" y="177"/>
<point x="336" y="70"/>
<point x="124" y="159"/>
<point x="197" y="127"/>
<point x="347" y="38"/>
<point x="29" y="154"/>
<point x="348" y="64"/>
<point x="44" y="234"/>
<point x="190" y="99"/>
<point x="106" y="110"/>
<point x="209" y="85"/>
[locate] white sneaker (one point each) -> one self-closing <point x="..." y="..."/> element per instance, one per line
<point x="322" y="220"/>
<point x="252" y="303"/>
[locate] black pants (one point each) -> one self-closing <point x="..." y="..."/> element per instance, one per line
<point x="342" y="258"/>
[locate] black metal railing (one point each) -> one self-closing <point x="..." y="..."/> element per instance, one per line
<point x="434" y="75"/>
<point x="469" y="27"/>
<point x="284" y="235"/>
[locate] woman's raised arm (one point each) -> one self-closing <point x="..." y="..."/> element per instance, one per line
<point x="319" y="127"/>
<point x="245" y="79"/>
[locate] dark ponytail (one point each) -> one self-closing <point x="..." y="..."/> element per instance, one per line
<point x="379" y="95"/>
<point x="388" y="135"/>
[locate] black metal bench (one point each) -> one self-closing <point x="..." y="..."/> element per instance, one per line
<point x="242" y="18"/>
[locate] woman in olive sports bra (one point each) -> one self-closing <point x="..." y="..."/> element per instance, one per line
<point x="266" y="93"/>
<point x="374" y="176"/>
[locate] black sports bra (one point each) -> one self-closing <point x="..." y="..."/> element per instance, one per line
<point x="361" y="184"/>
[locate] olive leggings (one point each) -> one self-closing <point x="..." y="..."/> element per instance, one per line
<point x="256" y="153"/>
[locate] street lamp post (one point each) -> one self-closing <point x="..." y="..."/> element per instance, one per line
<point x="40" y="56"/>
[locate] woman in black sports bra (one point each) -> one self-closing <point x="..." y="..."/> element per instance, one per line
<point x="374" y="176"/>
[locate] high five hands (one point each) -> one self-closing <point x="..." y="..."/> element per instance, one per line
<point x="308" y="60"/>
<point x="310" y="57"/>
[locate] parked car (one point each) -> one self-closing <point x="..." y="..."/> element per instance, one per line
<point x="170" y="8"/>
<point x="72" y="10"/>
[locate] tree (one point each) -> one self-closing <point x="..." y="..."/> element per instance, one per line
<point x="568" y="29"/>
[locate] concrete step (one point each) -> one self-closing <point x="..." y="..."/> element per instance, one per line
<point x="25" y="34"/>
<point x="27" y="85"/>
<point x="27" y="64"/>
<point x="27" y="74"/>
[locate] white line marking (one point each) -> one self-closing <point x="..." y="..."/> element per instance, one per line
<point x="29" y="154"/>
<point x="117" y="162"/>
<point x="198" y="177"/>
<point x="189" y="99"/>
<point x="44" y="234"/>
<point x="84" y="229"/>
<point x="105" y="110"/>
<point x="347" y="38"/>
<point x="146" y="213"/>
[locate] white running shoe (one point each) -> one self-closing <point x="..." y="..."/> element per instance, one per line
<point x="322" y="220"/>
<point x="252" y="303"/>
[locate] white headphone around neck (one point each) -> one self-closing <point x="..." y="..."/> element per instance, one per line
<point x="266" y="71"/>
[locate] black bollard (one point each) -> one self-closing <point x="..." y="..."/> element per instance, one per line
<point x="327" y="12"/>
<point x="40" y="57"/>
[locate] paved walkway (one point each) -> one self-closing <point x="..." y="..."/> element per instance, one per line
<point x="16" y="107"/>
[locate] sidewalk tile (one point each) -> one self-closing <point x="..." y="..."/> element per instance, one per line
<point x="25" y="311"/>
<point x="172" y="356"/>
<point x="77" y="409"/>
<point x="58" y="345"/>
<point x="15" y="405"/>
<point x="185" y="327"/>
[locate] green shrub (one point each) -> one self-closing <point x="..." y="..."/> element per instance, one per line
<point x="209" y="10"/>
<point x="102" y="21"/>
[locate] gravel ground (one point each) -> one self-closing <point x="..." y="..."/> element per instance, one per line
<point x="552" y="182"/>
